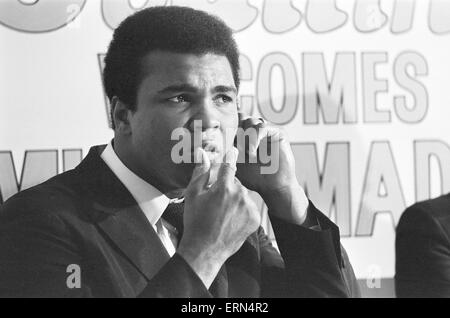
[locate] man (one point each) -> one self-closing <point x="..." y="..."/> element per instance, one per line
<point x="118" y="217"/>
<point x="423" y="250"/>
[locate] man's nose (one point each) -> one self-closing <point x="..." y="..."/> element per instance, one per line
<point x="205" y="117"/>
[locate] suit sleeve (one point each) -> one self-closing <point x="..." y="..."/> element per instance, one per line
<point x="422" y="255"/>
<point x="315" y="263"/>
<point x="176" y="279"/>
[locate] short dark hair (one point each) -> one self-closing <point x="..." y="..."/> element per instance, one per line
<point x="172" y="28"/>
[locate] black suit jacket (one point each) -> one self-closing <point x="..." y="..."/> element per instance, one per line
<point x="88" y="218"/>
<point x="423" y="250"/>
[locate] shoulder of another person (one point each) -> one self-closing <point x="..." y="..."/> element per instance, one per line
<point x="437" y="208"/>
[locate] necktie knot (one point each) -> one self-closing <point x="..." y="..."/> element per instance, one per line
<point x="173" y="215"/>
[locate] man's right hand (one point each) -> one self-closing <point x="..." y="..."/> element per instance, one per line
<point x="217" y="218"/>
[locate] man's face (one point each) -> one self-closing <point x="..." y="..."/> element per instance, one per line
<point x="180" y="91"/>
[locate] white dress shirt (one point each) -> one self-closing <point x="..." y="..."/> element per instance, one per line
<point x="151" y="201"/>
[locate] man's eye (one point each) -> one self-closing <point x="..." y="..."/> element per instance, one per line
<point x="179" y="99"/>
<point x="224" y="99"/>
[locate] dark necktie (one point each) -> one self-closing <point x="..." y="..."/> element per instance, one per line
<point x="173" y="215"/>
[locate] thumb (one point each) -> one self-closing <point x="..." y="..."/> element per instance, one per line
<point x="200" y="175"/>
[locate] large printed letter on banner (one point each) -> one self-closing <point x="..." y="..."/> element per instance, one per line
<point x="324" y="16"/>
<point x="329" y="187"/>
<point x="382" y="191"/>
<point x="419" y="108"/>
<point x="38" y="166"/>
<point x="368" y="16"/>
<point x="280" y="16"/>
<point x="438" y="20"/>
<point x="424" y="151"/>
<point x="39" y="16"/>
<point x="372" y="86"/>
<point x="330" y="96"/>
<point x="286" y="113"/>
<point x="402" y="16"/>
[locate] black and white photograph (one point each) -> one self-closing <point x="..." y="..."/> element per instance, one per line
<point x="198" y="149"/>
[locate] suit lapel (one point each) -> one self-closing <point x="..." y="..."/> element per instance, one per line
<point x="119" y="217"/>
<point x="133" y="235"/>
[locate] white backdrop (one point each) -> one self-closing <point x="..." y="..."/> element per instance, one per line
<point x="361" y="87"/>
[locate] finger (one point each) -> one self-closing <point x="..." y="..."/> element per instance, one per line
<point x="213" y="171"/>
<point x="255" y="122"/>
<point x="200" y="175"/>
<point x="251" y="127"/>
<point x="227" y="170"/>
<point x="247" y="122"/>
<point x="269" y="135"/>
<point x="255" y="141"/>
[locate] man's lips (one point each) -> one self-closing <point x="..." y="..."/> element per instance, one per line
<point x="210" y="147"/>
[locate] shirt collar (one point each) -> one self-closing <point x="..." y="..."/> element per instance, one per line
<point x="151" y="201"/>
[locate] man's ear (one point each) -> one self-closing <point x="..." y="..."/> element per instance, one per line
<point x="120" y="116"/>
